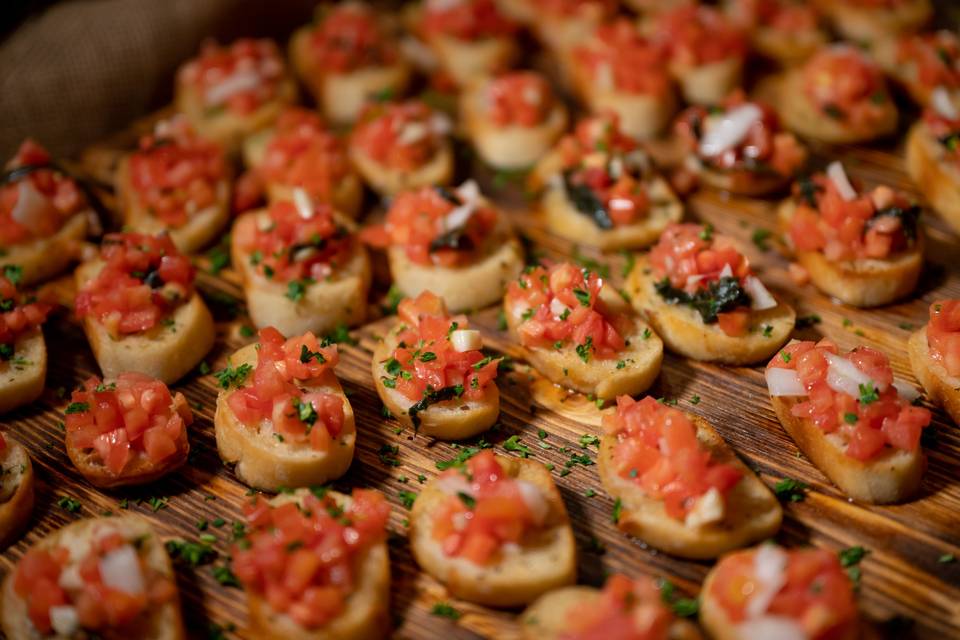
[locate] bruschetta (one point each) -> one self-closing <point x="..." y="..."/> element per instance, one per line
<point x="866" y="21"/>
<point x="933" y="157"/>
<point x="771" y="592"/>
<point x="923" y="64"/>
<point x="560" y="25"/>
<point x="471" y="39"/>
<point x="176" y="182"/>
<point x="128" y="431"/>
<point x="302" y="267"/>
<point x="705" y="50"/>
<point x="299" y="152"/>
<point x="739" y="146"/>
<point x="698" y="291"/>
<point x="16" y="489"/>
<point x="786" y="31"/>
<point x="623" y="608"/>
<point x="282" y="417"/>
<point x="681" y="489"/>
<point x="431" y="375"/>
<point x="44" y="216"/>
<point x="452" y="242"/>
<point x="618" y="70"/>
<point x="401" y="146"/>
<point x="107" y="578"/>
<point x="837" y="96"/>
<point x="346" y="58"/>
<point x="580" y="334"/>
<point x="599" y="189"/>
<point x="864" y="248"/>
<point x="231" y="91"/>
<point x="512" y="119"/>
<point x="314" y="565"/>
<point x="935" y="356"/>
<point x="140" y="310"/>
<point x="849" y="417"/>
<point x="23" y="351"/>
<point x="494" y="531"/>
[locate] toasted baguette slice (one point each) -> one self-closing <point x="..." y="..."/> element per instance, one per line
<point x="709" y="83"/>
<point x="199" y="230"/>
<point x="869" y="23"/>
<point x="22" y="378"/>
<point x="788" y="49"/>
<point x="449" y="420"/>
<point x="545" y="561"/>
<point x="860" y="283"/>
<point x="366" y="614"/>
<point x="466" y="61"/>
<point x="640" y="116"/>
<point x="937" y="179"/>
<point x="942" y="388"/>
<point x="16" y="490"/>
<point x="165" y="352"/>
<point x="45" y="258"/>
<point x="683" y="330"/>
<point x="263" y="461"/>
<point x="157" y="623"/>
<point x="751" y="512"/>
<point x="801" y="116"/>
<point x="604" y="378"/>
<point x="388" y="181"/>
<point x="341" y="96"/>
<point x="892" y="477"/>
<point x="547" y="617"/>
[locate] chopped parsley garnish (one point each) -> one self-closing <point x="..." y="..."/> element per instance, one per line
<point x="868" y="394"/>
<point x="707" y="232"/>
<point x="306" y="355"/>
<point x="583" y="350"/>
<point x="850" y="418"/>
<point x="193" y="554"/>
<point x="717" y="297"/>
<point x="69" y="504"/>
<point x="947" y="558"/>
<point x="683" y="607"/>
<point x="629" y="260"/>
<point x="465" y="453"/>
<point x="790" y="489"/>
<point x="760" y="238"/>
<point x="225" y="576"/>
<point x="589" y="439"/>
<point x="431" y="396"/>
<point x="304" y="411"/>
<point x="695" y="399"/>
<point x="786" y="357"/>
<point x="646" y="333"/>
<point x="297" y="288"/>
<point x="767" y="330"/>
<point x="13" y="273"/>
<point x="444" y="610"/>
<point x="850" y="560"/>
<point x="407" y="498"/>
<point x="77" y="407"/>
<point x="501" y="321"/>
<point x="387" y="455"/>
<point x="583" y="297"/>
<point x="513" y="444"/>
<point x="468" y="500"/>
<point x="233" y="376"/>
<point x="339" y="335"/>
<point x="617" y="511"/>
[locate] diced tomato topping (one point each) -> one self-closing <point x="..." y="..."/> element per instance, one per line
<point x="274" y="392"/>
<point x="143" y="279"/>
<point x="18" y="314"/>
<point x="175" y="172"/>
<point x="486" y="509"/>
<point x="570" y="8"/>
<point x="619" y="58"/>
<point x="304" y="559"/>
<point x="946" y="132"/>
<point x="399" y="135"/>
<point x="467" y="20"/>
<point x="239" y="77"/>
<point x="936" y="57"/>
<point x="350" y="37"/>
<point x="625" y="610"/>
<point x="870" y="422"/>
<point x="845" y="85"/>
<point x="816" y="594"/>
<point x="520" y="98"/>
<point x="37" y="204"/>
<point x="133" y="416"/>
<point x="943" y="334"/>
<point x="560" y="308"/>
<point x="875" y="224"/>
<point x="695" y="35"/>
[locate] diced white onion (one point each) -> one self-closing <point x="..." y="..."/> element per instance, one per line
<point x="844" y="377"/>
<point x="413" y="132"/>
<point x="771" y="628"/>
<point x="418" y="53"/>
<point x="469" y="194"/>
<point x="303" y="203"/>
<point x="709" y="508"/>
<point x="760" y="297"/>
<point x="693" y="281"/>
<point x="70" y="577"/>
<point x="727" y="271"/>
<point x="533" y="497"/>
<point x="783" y="382"/>
<point x="557" y="308"/>
<point x="615" y="167"/>
<point x="769" y="569"/>
<point x="231" y="86"/>
<point x="440" y="124"/>
<point x="120" y="569"/>
<point x="466" y="340"/>
<point x="906" y="391"/>
<point x="840" y="180"/>
<point x="64" y="620"/>
<point x="729" y="129"/>
<point x="31" y="207"/>
<point x="943" y="104"/>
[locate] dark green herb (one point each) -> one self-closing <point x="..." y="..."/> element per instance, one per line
<point x="719" y="296"/>
<point x="617" y="511"/>
<point x="760" y="238"/>
<point x="233" y="376"/>
<point x="388" y="453"/>
<point x="225" y="576"/>
<point x="444" y="610"/>
<point x="192" y="554"/>
<point x="868" y="394"/>
<point x="585" y="201"/>
<point x="513" y="444"/>
<point x="297" y="288"/>
<point x="790" y="489"/>
<point x="69" y="504"/>
<point x="468" y="500"/>
<point x="805" y="322"/>
<point x="77" y="407"/>
<point x="432" y="397"/>
<point x="683" y="607"/>
<point x="407" y="498"/>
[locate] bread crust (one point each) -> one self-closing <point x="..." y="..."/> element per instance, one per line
<point x="163" y="623"/>
<point x="864" y="24"/>
<point x="467" y="61"/>
<point x="937" y="180"/>
<point x="788" y="49"/>
<point x="339" y="300"/>
<point x="942" y="388"/>
<point x="366" y="615"/>
<point x="199" y="230"/>
<point x="16" y="491"/>
<point x="859" y="283"/>
<point x="599" y="377"/>
<point x="801" y="116"/>
<point x="22" y="382"/>
<point x="892" y="477"/>
<point x="263" y="461"/>
<point x="709" y="83"/>
<point x="388" y="181"/>
<point x="44" y="258"/>
<point x="640" y="116"/>
<point x="341" y="96"/>
<point x="166" y="353"/>
<point x="449" y="420"/>
<point x="683" y="330"/>
<point x="544" y="562"/>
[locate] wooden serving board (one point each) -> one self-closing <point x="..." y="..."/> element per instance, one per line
<point x="906" y="589"/>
